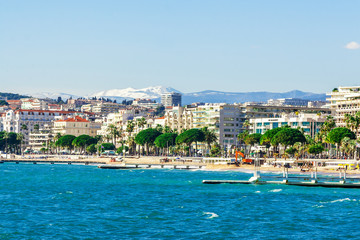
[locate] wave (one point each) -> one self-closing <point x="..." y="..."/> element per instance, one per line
<point x="212" y="215"/>
<point x="341" y="200"/>
<point x="276" y="190"/>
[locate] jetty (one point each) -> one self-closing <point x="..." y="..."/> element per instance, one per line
<point x="113" y="163"/>
<point x="184" y="166"/>
<point x="308" y="180"/>
<point x="54" y="161"/>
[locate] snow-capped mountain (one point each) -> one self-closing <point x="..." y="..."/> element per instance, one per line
<point x="132" y="93"/>
<point x="241" y="97"/>
<point x="208" y="96"/>
<point x="54" y="95"/>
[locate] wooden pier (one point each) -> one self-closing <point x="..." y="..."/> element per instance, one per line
<point x="151" y="165"/>
<point x="54" y="161"/>
<point x="305" y="181"/>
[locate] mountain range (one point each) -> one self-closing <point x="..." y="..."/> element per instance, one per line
<point x="208" y="96"/>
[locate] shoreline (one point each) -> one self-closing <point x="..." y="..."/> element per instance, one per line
<point x="270" y="169"/>
<point x="157" y="160"/>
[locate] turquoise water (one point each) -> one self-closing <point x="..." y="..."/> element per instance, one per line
<point x="84" y="202"/>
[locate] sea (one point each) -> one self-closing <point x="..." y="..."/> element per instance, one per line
<point x="45" y="201"/>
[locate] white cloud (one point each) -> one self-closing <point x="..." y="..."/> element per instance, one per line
<point x="352" y="45"/>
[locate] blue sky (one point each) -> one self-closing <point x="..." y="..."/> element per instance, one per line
<point x="82" y="47"/>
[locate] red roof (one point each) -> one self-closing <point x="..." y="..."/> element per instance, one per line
<point x="14" y="101"/>
<point x="161" y="117"/>
<point x="43" y="111"/>
<point x="75" y="119"/>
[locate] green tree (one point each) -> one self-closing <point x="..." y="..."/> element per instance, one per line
<point x="147" y="137"/>
<point x="66" y="141"/>
<point x="288" y="137"/>
<point x="91" y="149"/>
<point x="166" y="140"/>
<point x="83" y="141"/>
<point x="190" y="136"/>
<point x="120" y="150"/>
<point x="316" y="149"/>
<point x="253" y="138"/>
<point x="210" y="137"/>
<point x="337" y="134"/>
<point x="106" y="146"/>
<point x="266" y="138"/>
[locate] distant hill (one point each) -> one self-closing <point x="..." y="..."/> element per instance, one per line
<point x="208" y="96"/>
<point x="54" y="95"/>
<point x="12" y="96"/>
<point x="241" y="97"/>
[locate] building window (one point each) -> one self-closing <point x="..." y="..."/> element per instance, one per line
<point x="305" y="123"/>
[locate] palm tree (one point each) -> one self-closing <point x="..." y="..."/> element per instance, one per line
<point x="6" y="137"/>
<point x="130" y="127"/>
<point x="210" y="137"/>
<point x="114" y="132"/>
<point x="36" y="127"/>
<point x="20" y="138"/>
<point x="56" y="138"/>
<point x="348" y="146"/>
<point x="328" y="125"/>
<point x="131" y="142"/>
<point x="141" y="123"/>
<point x="24" y="127"/>
<point x="352" y="121"/>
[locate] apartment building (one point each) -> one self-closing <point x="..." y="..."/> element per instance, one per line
<point x="171" y="99"/>
<point x="309" y="123"/>
<point x="120" y="120"/>
<point x="344" y="100"/>
<point x="102" y="108"/>
<point x="178" y="118"/>
<point x="41" y="139"/>
<point x="33" y="104"/>
<point x="76" y="126"/>
<point x="27" y="121"/>
<point x="288" y="102"/>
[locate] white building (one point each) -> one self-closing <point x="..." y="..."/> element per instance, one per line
<point x="171" y="99"/>
<point x="310" y="123"/>
<point x="288" y="102"/>
<point x="40" y="139"/>
<point x="76" y="126"/>
<point x="33" y="104"/>
<point x="344" y="100"/>
<point x="26" y="121"/>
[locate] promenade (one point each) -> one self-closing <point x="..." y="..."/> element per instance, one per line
<point x="156" y="161"/>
